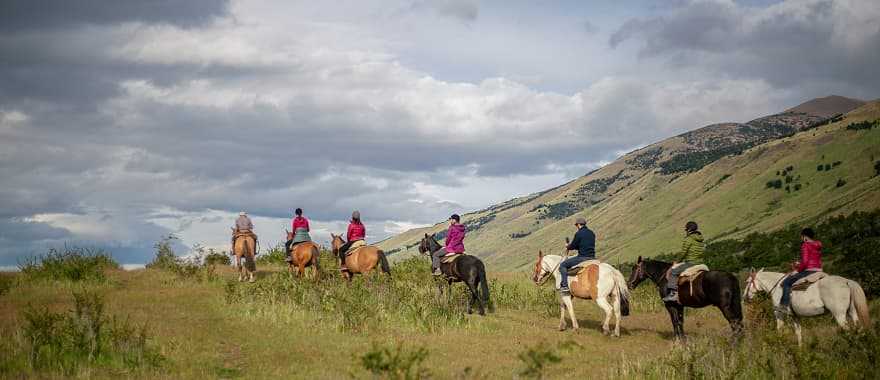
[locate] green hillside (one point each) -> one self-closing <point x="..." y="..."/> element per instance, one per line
<point x="732" y="178"/>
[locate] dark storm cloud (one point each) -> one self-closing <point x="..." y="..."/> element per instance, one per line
<point x="787" y="44"/>
<point x="16" y="15"/>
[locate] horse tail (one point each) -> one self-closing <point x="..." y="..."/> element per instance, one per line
<point x="622" y="291"/>
<point x="859" y="302"/>
<point x="484" y="286"/>
<point x="383" y="261"/>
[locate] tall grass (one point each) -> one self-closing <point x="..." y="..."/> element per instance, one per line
<point x="70" y="264"/>
<point x="200" y="269"/>
<point x="81" y="339"/>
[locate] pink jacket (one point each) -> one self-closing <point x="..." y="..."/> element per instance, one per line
<point x="356" y="231"/>
<point x="811" y="256"/>
<point x="299" y="222"/>
<point x="455" y="238"/>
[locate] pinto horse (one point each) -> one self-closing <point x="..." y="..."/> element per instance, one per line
<point x="717" y="288"/>
<point x="362" y="261"/>
<point x="610" y="283"/>
<point x="467" y="269"/>
<point x="304" y="255"/>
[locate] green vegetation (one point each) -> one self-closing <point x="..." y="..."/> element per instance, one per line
<point x="72" y="264"/>
<point x="74" y="342"/>
<point x="556" y="211"/>
<point x="863" y="125"/>
<point x="196" y="268"/>
<point x="396" y="363"/>
<point x="691" y="162"/>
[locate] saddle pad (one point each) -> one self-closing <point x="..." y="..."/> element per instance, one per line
<point x="240" y="233"/>
<point x="804" y="283"/>
<point x="690" y="274"/>
<point x="356" y="246"/>
<point x="451" y="258"/>
<point x="577" y="269"/>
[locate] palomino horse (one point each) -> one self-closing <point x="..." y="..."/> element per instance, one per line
<point x="245" y="245"/>
<point x="304" y="255"/>
<point x="717" y="288"/>
<point x="610" y="283"/>
<point x="467" y="269"/>
<point x="833" y="293"/>
<point x="363" y="260"/>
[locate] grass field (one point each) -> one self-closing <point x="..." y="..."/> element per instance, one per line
<point x="210" y="326"/>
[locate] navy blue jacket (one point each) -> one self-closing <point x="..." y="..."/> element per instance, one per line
<point x="584" y="242"/>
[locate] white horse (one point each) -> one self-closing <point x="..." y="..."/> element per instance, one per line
<point x="610" y="283"/>
<point x="833" y="293"/>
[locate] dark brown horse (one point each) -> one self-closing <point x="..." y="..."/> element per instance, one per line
<point x="363" y="260"/>
<point x="716" y="288"/>
<point x="467" y="269"/>
<point x="304" y="255"/>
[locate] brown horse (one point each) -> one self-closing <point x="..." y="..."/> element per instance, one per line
<point x="362" y="261"/>
<point x="245" y="245"/>
<point x="304" y="255"/>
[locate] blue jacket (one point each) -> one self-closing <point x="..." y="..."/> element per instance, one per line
<point x="584" y="242"/>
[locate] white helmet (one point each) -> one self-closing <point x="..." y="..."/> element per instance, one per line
<point x="242" y="213"/>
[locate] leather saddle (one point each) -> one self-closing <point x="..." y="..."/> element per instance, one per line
<point x="804" y="283"/>
<point x="577" y="269"/>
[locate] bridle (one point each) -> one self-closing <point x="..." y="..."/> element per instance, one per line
<point x="546" y="275"/>
<point x="639" y="273"/>
<point x="753" y="280"/>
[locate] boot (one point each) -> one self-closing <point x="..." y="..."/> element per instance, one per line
<point x="437" y="272"/>
<point x="672" y="296"/>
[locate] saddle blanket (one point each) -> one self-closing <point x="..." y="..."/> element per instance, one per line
<point x="356" y="246"/>
<point x="450" y="258"/>
<point x="690" y="274"/>
<point x="804" y="283"/>
<point x="241" y="233"/>
<point x="577" y="269"/>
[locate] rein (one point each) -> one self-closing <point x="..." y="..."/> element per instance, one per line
<point x="547" y="276"/>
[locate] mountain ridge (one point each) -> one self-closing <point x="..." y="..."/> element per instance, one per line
<point x="635" y="202"/>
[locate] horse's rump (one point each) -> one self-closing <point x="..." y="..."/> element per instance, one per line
<point x="804" y="283"/>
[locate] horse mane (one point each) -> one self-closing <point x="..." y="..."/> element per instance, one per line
<point x="655" y="267"/>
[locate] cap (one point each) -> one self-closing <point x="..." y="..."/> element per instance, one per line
<point x="356" y="215"/>
<point x="580" y="221"/>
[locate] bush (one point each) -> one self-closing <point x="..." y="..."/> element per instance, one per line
<point x="83" y="337"/>
<point x="536" y="359"/>
<point x="395" y="363"/>
<point x="841" y="182"/>
<point x="74" y="264"/>
<point x="198" y="268"/>
<point x="274" y="255"/>
<point x="827" y="167"/>
<point x="820" y="168"/>
<point x="877" y="168"/>
<point x="797" y="187"/>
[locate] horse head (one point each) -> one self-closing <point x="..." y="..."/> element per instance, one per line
<point x="336" y="242"/>
<point x="539" y="273"/>
<point x="637" y="274"/>
<point x="289" y="234"/>
<point x="752" y="284"/>
<point x="428" y="244"/>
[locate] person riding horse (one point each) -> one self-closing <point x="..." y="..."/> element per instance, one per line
<point x="810" y="262"/>
<point x="585" y="243"/>
<point x="243" y="226"/>
<point x="300" y="228"/>
<point x="454" y="243"/>
<point x="356" y="232"/>
<point x="692" y="248"/>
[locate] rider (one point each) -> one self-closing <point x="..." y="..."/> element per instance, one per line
<point x="356" y="232"/>
<point x="585" y="243"/>
<point x="811" y="262"/>
<point x="300" y="228"/>
<point x="242" y="225"/>
<point x="454" y="242"/>
<point x="692" y="248"/>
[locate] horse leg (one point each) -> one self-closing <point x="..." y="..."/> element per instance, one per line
<point x="840" y="318"/>
<point x="562" y="324"/>
<point x="568" y="305"/>
<point x="606" y="307"/>
<point x="796" y="324"/>
<point x="675" y="317"/>
<point x="475" y="298"/>
<point x="616" y="305"/>
<point x="238" y="267"/>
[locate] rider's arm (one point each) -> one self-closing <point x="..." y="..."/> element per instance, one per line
<point x="575" y="242"/>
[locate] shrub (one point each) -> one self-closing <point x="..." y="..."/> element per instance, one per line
<point x="820" y="168"/>
<point x="877" y="168"/>
<point x="537" y="358"/>
<point x="396" y="363"/>
<point x="83" y="337"/>
<point x="216" y="258"/>
<point x="197" y="268"/>
<point x="74" y="264"/>
<point x="841" y="182"/>
<point x="274" y="255"/>
<point x="863" y="125"/>
<point x="827" y="167"/>
<point x="797" y="187"/>
<point x="789" y="179"/>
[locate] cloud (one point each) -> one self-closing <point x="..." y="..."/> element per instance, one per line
<point x="786" y="44"/>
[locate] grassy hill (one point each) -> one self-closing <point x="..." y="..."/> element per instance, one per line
<point x="732" y="178"/>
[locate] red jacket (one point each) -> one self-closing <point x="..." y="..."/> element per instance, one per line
<point x="811" y="256"/>
<point x="300" y="222"/>
<point x="455" y="238"/>
<point x="356" y="231"/>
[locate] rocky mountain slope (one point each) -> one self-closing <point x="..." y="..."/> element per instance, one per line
<point x="732" y="178"/>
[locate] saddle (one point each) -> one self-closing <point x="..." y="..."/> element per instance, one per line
<point x="577" y="269"/>
<point x="355" y="246"/>
<point x="450" y="258"/>
<point x="804" y="283"/>
<point x="239" y="233"/>
<point x="691" y="274"/>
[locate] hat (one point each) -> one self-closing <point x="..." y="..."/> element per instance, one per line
<point x="691" y="226"/>
<point x="455" y="217"/>
<point x="356" y="215"/>
<point x="242" y="213"/>
<point x="580" y="221"/>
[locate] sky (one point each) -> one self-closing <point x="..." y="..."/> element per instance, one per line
<point x="124" y="121"/>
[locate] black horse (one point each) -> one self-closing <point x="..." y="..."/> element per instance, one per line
<point x="467" y="269"/>
<point x="717" y="288"/>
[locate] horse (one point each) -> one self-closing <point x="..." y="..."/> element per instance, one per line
<point x="362" y="261"/>
<point x="717" y="288"/>
<point x="245" y="245"/>
<point x="304" y="255"/>
<point x="610" y="283"/>
<point x="835" y="294"/>
<point x="468" y="269"/>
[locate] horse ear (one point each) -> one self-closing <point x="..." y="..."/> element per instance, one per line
<point x="640" y="259"/>
<point x="761" y="270"/>
<point x="540" y="254"/>
<point x="426" y="235"/>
